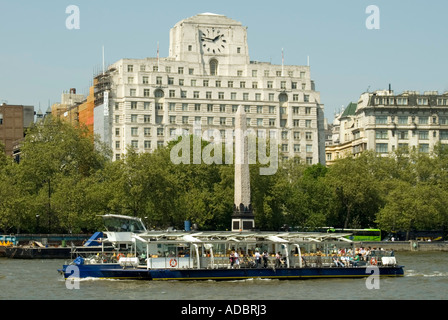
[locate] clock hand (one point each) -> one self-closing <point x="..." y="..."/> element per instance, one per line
<point x="216" y="38"/>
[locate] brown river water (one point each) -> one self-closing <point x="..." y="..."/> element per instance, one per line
<point x="426" y="278"/>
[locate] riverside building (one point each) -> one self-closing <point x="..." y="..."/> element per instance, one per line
<point x="383" y="121"/>
<point x="144" y="103"/>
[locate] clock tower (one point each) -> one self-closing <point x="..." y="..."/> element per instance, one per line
<point x="217" y="43"/>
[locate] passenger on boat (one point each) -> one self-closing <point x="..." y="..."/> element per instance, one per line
<point x="337" y="262"/>
<point x="265" y="259"/>
<point x="355" y="261"/>
<point x="232" y="258"/>
<point x="319" y="258"/>
<point x="257" y="259"/>
<point x="237" y="259"/>
<point x="278" y="258"/>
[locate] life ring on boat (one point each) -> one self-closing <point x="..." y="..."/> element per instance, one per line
<point x="119" y="256"/>
<point x="373" y="261"/>
<point x="173" y="263"/>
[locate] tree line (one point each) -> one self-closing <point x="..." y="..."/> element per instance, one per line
<point x="65" y="180"/>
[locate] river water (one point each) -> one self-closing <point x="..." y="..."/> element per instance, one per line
<point x="426" y="278"/>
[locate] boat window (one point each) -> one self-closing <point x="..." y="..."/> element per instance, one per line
<point x="118" y="224"/>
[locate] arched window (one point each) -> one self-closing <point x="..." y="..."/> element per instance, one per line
<point x="159" y="93"/>
<point x="283" y="97"/>
<point x="214" y="67"/>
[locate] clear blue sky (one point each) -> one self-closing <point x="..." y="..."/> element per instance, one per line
<point x="40" y="58"/>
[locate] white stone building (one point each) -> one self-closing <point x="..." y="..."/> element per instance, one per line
<point x="383" y="121"/>
<point x="144" y="103"/>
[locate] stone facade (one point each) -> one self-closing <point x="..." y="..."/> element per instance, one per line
<point x="383" y="121"/>
<point x="14" y="120"/>
<point x="144" y="103"/>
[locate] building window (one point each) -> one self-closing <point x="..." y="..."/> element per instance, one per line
<point x="403" y="135"/>
<point x="180" y="70"/>
<point x="422" y="101"/>
<point x="309" y="148"/>
<point x="443" y="134"/>
<point x="130" y="68"/>
<point x="381" y="147"/>
<point x="381" y="134"/>
<point x="145" y="80"/>
<point x="402" y="120"/>
<point x="146" y="92"/>
<point x="133" y="105"/>
<point x="402" y="101"/>
<point x="381" y="120"/>
<point x="423" y="135"/>
<point x="422" y="120"/>
<point x="134" y="131"/>
<point x="423" y="147"/>
<point x="160" y="132"/>
<point x="147" y="132"/>
<point x="442" y="102"/>
<point x="308" y="135"/>
<point x="214" y="67"/>
<point x="147" y="144"/>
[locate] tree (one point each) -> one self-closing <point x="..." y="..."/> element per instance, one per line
<point x="56" y="156"/>
<point x="414" y="207"/>
<point x="356" y="191"/>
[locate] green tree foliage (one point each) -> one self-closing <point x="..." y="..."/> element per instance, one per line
<point x="64" y="181"/>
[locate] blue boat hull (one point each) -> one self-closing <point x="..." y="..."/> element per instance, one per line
<point x="114" y="271"/>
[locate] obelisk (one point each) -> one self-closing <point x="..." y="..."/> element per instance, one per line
<point x="243" y="217"/>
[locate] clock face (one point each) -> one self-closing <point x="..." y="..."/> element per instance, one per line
<point x="213" y="41"/>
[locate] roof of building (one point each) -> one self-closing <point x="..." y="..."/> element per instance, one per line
<point x="350" y="110"/>
<point x="210" y="18"/>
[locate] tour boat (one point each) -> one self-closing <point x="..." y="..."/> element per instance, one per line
<point x="225" y="255"/>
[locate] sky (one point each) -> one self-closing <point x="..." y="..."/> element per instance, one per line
<point x="40" y="58"/>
